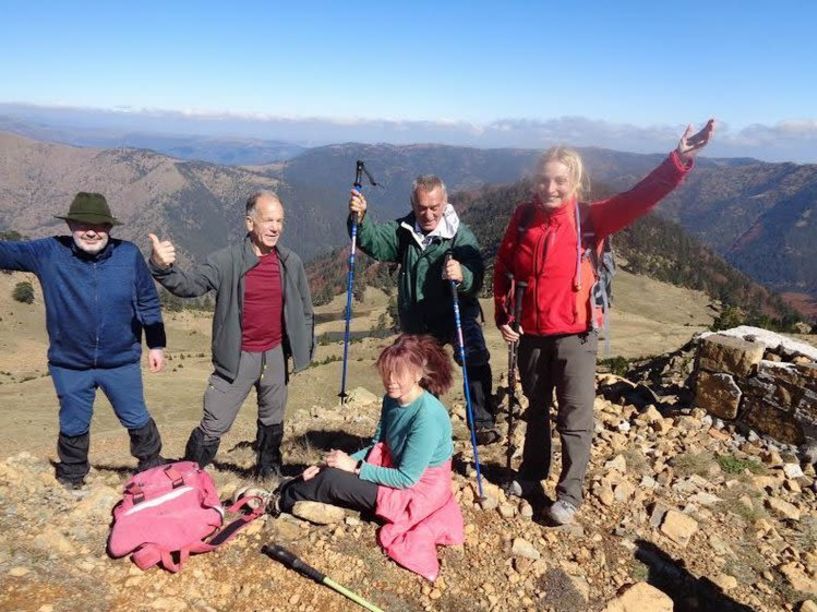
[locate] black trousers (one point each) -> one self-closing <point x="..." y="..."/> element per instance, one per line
<point x="331" y="486"/>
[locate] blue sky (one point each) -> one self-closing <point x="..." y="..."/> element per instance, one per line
<point x="587" y="73"/>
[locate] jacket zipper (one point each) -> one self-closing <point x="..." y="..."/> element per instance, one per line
<point x="538" y="266"/>
<point x="96" y="309"/>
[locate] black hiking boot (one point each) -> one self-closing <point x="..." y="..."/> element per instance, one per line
<point x="200" y="451"/>
<point x="146" y="446"/>
<point x="268" y="459"/>
<point x="73" y="454"/>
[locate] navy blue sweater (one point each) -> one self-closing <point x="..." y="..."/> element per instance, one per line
<point x="95" y="305"/>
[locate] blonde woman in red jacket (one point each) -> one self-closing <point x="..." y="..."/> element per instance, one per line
<point x="558" y="325"/>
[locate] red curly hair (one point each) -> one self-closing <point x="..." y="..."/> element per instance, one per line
<point x="421" y="353"/>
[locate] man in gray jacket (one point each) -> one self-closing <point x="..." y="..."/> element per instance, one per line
<point x="263" y="315"/>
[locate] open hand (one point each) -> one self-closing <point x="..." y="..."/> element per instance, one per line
<point x="690" y="144"/>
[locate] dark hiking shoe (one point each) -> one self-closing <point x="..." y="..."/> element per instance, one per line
<point x="146" y="446"/>
<point x="487" y="435"/>
<point x="268" y="458"/>
<point x="71" y="485"/>
<point x="201" y="451"/>
<point x="267" y="472"/>
<point x="265" y="497"/>
<point x="274" y="505"/>
<point x="146" y="464"/>
<point x="520" y="488"/>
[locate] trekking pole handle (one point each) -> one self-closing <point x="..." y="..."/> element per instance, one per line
<point x="358" y="185"/>
<point x="359" y="169"/>
<point x="281" y="554"/>
<point x="519" y="294"/>
<point x="448" y="257"/>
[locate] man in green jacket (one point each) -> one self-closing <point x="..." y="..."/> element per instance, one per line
<point x="419" y="242"/>
<point x="263" y="315"/>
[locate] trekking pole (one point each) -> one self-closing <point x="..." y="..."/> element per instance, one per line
<point x="468" y="411"/>
<point x="513" y="403"/>
<point x="360" y="170"/>
<point x="279" y="553"/>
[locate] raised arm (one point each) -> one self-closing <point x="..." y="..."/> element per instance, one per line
<point x="621" y="210"/>
<point x="378" y="240"/>
<point x="179" y="282"/>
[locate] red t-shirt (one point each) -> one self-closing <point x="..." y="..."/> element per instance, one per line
<point x="262" y="323"/>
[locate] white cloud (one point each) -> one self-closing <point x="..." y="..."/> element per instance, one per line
<point x="789" y="140"/>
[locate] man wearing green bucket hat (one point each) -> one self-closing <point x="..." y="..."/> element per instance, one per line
<point x="99" y="296"/>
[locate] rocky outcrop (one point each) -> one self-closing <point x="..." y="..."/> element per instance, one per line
<point x="762" y="379"/>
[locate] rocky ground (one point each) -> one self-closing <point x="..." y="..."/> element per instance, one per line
<point x="715" y="519"/>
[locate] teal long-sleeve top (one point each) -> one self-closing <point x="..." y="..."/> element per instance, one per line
<point x="418" y="437"/>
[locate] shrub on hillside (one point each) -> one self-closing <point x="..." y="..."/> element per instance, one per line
<point x="23" y="292"/>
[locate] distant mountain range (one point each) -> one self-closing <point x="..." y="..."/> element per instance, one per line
<point x="224" y="151"/>
<point x="759" y="216"/>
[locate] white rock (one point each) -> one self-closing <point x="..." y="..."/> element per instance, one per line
<point x="705" y="499"/>
<point x="523" y="548"/>
<point x="793" y="470"/>
<point x="618" y="463"/>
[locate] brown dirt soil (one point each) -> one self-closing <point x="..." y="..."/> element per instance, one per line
<point x="52" y="542"/>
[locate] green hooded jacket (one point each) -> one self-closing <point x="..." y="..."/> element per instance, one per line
<point x="423" y="296"/>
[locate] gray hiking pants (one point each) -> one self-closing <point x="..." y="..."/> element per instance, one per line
<point x="266" y="372"/>
<point x="568" y="365"/>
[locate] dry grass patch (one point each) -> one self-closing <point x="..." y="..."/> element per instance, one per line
<point x="637" y="462"/>
<point x="744" y="501"/>
<point x="735" y="465"/>
<point x="687" y="464"/>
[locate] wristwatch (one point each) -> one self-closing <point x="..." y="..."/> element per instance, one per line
<point x="358" y="467"/>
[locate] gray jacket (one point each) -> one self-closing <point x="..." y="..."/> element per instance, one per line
<point x="223" y="272"/>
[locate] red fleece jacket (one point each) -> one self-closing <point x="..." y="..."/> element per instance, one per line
<point x="545" y="254"/>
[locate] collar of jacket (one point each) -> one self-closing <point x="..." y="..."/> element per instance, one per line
<point x="446" y="228"/>
<point x="561" y="215"/>
<point x="251" y="259"/>
<point x="91" y="257"/>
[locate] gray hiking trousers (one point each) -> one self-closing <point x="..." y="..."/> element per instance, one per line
<point x="266" y="372"/>
<point x="568" y="365"/>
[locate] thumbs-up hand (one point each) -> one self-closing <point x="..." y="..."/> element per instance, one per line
<point x="163" y="254"/>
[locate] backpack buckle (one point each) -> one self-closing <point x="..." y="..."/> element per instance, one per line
<point x="175" y="476"/>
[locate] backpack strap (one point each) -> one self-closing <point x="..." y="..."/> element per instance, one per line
<point x="525" y="220"/>
<point x="229" y="532"/>
<point x="596" y="254"/>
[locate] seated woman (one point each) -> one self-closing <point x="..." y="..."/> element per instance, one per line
<point x="404" y="475"/>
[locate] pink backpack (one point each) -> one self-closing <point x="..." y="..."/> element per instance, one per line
<point x="169" y="512"/>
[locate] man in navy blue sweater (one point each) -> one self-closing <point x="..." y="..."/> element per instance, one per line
<point x="99" y="296"/>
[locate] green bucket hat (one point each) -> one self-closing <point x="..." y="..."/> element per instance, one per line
<point x="90" y="208"/>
